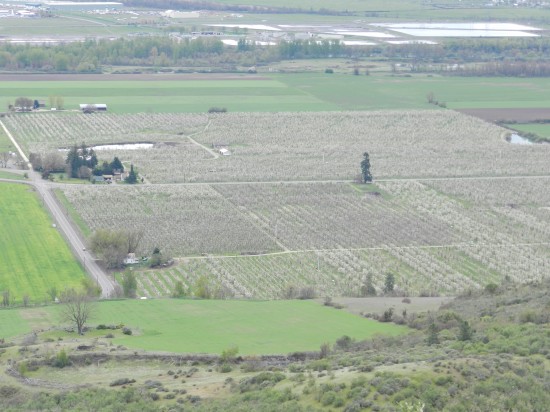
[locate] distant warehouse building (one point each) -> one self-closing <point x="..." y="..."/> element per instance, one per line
<point x="90" y="108"/>
<point x="82" y="5"/>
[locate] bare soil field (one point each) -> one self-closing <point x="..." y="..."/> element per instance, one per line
<point x="520" y="115"/>
<point x="359" y="306"/>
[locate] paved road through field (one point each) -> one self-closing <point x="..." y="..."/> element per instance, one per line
<point x="74" y="239"/>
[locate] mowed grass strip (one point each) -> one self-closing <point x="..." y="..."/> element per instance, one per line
<point x="33" y="255"/>
<point x="211" y="326"/>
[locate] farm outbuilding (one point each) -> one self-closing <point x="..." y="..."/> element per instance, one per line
<point x="95" y="107"/>
<point x="225" y="152"/>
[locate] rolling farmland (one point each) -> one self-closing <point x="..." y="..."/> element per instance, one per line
<point x="292" y="146"/>
<point x="276" y="92"/>
<point x="330" y="235"/>
<point x="301" y="222"/>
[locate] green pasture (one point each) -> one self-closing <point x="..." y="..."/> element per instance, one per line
<point x="399" y="92"/>
<point x="33" y="255"/>
<point x="12" y="324"/>
<point x="289" y="92"/>
<point x="170" y="96"/>
<point x="540" y="129"/>
<point x="211" y="326"/>
<point x="12" y="176"/>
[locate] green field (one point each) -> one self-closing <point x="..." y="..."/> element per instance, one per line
<point x="540" y="129"/>
<point x="289" y="92"/>
<point x="211" y="326"/>
<point x="171" y="96"/>
<point x="33" y="255"/>
<point x="12" y="176"/>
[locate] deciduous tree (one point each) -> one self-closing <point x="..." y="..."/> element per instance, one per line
<point x="77" y="309"/>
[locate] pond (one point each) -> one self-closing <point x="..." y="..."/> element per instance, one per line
<point x="123" y="146"/>
<point x="517" y="139"/>
<point x="117" y="146"/>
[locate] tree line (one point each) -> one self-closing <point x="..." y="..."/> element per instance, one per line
<point x="91" y="55"/>
<point x="154" y="51"/>
<point x="243" y="8"/>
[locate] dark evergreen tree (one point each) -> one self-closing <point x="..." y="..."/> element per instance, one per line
<point x="78" y="157"/>
<point x="465" y="332"/>
<point x="389" y="282"/>
<point x="433" y="334"/>
<point x="116" y="164"/>
<point x="132" y="176"/>
<point x="365" y="168"/>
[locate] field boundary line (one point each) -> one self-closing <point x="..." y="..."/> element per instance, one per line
<point x="326" y="181"/>
<point x="190" y="137"/>
<point x="359" y="249"/>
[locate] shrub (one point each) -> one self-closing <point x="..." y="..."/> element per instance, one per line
<point x="491" y="288"/>
<point x="22" y="368"/>
<point x="225" y="368"/>
<point x="261" y="381"/>
<point x="328" y="398"/>
<point x="324" y="350"/>
<point x="228" y="355"/>
<point x="127" y="331"/>
<point x="527" y="316"/>
<point x="217" y="110"/>
<point x="344" y="342"/>
<point x="122" y="381"/>
<point x="387" y="316"/>
<point x="329" y="71"/>
<point x="466" y="332"/>
<point x="306" y="292"/>
<point x="320" y="365"/>
<point x="61" y="360"/>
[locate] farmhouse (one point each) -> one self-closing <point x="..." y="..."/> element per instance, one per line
<point x="131" y="259"/>
<point x="225" y="152"/>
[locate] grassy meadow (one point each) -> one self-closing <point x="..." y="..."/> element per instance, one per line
<point x="287" y="92"/>
<point x="33" y="255"/>
<point x="211" y="326"/>
<point x="542" y="130"/>
<point x="11" y="176"/>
